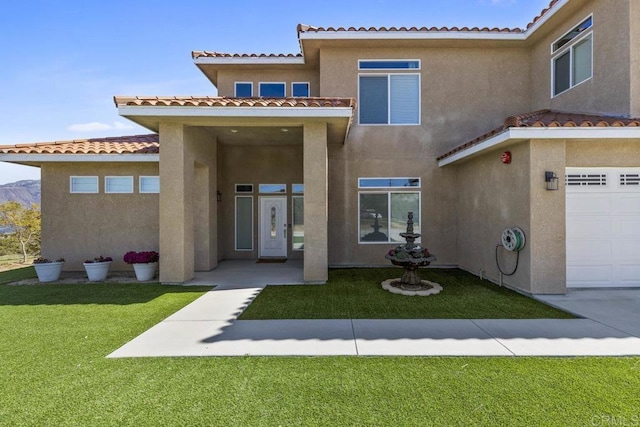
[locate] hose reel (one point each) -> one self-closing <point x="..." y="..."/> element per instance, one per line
<point x="513" y="239"/>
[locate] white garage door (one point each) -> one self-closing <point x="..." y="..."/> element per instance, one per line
<point x="603" y="227"/>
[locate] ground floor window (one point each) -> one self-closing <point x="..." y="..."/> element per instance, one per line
<point x="298" y="222"/>
<point x="383" y="215"/>
<point x="244" y="223"/>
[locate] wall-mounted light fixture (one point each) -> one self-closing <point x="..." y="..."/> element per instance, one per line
<point x="551" y="180"/>
<point x="219" y="195"/>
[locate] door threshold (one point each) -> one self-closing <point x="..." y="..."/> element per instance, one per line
<point x="271" y="260"/>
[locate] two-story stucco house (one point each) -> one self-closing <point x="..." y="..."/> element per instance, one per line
<point x="319" y="155"/>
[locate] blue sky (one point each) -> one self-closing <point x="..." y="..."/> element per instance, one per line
<point x="63" y="61"/>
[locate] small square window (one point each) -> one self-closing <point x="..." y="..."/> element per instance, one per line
<point x="273" y="188"/>
<point x="84" y="184"/>
<point x="297" y="188"/>
<point x="272" y="90"/>
<point x="118" y="184"/>
<point x="244" y="90"/>
<point x="300" y="90"/>
<point x="149" y="184"/>
<point x="244" y="188"/>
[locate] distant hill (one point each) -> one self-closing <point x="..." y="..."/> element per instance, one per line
<point x="25" y="192"/>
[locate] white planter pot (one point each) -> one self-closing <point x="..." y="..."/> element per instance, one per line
<point x="145" y="272"/>
<point x="97" y="271"/>
<point x="49" y="272"/>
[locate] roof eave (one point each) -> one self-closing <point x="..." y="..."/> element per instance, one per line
<point x="513" y="135"/>
<point x="31" y="159"/>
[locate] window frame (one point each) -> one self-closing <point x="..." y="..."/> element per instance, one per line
<point x="361" y="61"/>
<point x="301" y="83"/>
<point x="284" y="89"/>
<point x="388" y="74"/>
<point x="389" y="193"/>
<point x="235" y="223"/>
<point x="106" y="186"/>
<point x="386" y="178"/>
<point x="235" y="89"/>
<point x="284" y="191"/>
<point x="236" y="186"/>
<point x="94" y="177"/>
<point x="297" y="188"/>
<point x="569" y="48"/>
<point x="293" y="225"/>
<point x="143" y="177"/>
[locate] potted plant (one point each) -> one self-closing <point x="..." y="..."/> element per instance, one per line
<point x="144" y="264"/>
<point x="47" y="270"/>
<point x="97" y="268"/>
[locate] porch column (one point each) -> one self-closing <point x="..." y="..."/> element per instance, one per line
<point x="176" y="204"/>
<point x="316" y="260"/>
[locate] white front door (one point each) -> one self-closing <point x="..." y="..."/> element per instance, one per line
<point x="603" y="227"/>
<point x="273" y="227"/>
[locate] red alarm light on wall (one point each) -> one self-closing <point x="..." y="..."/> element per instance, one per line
<point x="506" y="157"/>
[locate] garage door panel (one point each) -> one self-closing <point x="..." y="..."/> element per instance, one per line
<point x="630" y="275"/>
<point x="590" y="227"/>
<point x="626" y="204"/>
<point x="588" y="275"/>
<point x="590" y="251"/>
<point x="625" y="227"/>
<point x="603" y="230"/>
<point x="588" y="203"/>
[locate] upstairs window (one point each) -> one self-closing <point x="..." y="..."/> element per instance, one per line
<point x="244" y="90"/>
<point x="83" y="184"/>
<point x="118" y="184"/>
<point x="572" y="58"/>
<point x="272" y="90"/>
<point x="389" y="99"/>
<point x="389" y="65"/>
<point x="299" y="89"/>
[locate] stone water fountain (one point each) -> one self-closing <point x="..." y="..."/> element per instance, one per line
<point x="411" y="256"/>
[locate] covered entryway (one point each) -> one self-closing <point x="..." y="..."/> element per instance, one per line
<point x="603" y="227"/>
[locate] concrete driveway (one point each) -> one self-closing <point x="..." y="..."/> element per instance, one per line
<point x="617" y="308"/>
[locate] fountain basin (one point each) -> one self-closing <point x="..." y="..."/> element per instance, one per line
<point x="425" y="288"/>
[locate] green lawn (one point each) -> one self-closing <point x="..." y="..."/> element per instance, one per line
<point x="357" y="294"/>
<point x="17" y="274"/>
<point x="53" y="372"/>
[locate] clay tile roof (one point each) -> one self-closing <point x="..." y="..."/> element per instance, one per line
<point x="136" y="144"/>
<point x="207" y="54"/>
<point x="551" y="119"/>
<point x="303" y="28"/>
<point x="220" y="101"/>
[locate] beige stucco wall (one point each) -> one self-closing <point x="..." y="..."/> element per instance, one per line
<point x="634" y="30"/>
<point x="83" y="226"/>
<point x="492" y="196"/>
<point x="227" y="79"/>
<point x="188" y="211"/>
<point x="448" y="118"/>
<point x="608" y="91"/>
<point x="255" y="164"/>
<point x="603" y="153"/>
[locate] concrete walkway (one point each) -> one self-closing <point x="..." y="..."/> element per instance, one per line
<point x="208" y="326"/>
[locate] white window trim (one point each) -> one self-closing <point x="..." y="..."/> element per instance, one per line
<point x="389" y="178"/>
<point x="235" y="88"/>
<point x="389" y="99"/>
<point x="269" y="192"/>
<point x="284" y="86"/>
<point x="243" y="192"/>
<point x="297" y="196"/>
<point x="569" y="47"/>
<point x="572" y="28"/>
<point x="84" y="192"/>
<point x="388" y="193"/>
<point x="141" y="177"/>
<point x="235" y="224"/>
<point x="389" y="60"/>
<point x="301" y="83"/>
<point x="106" y="190"/>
